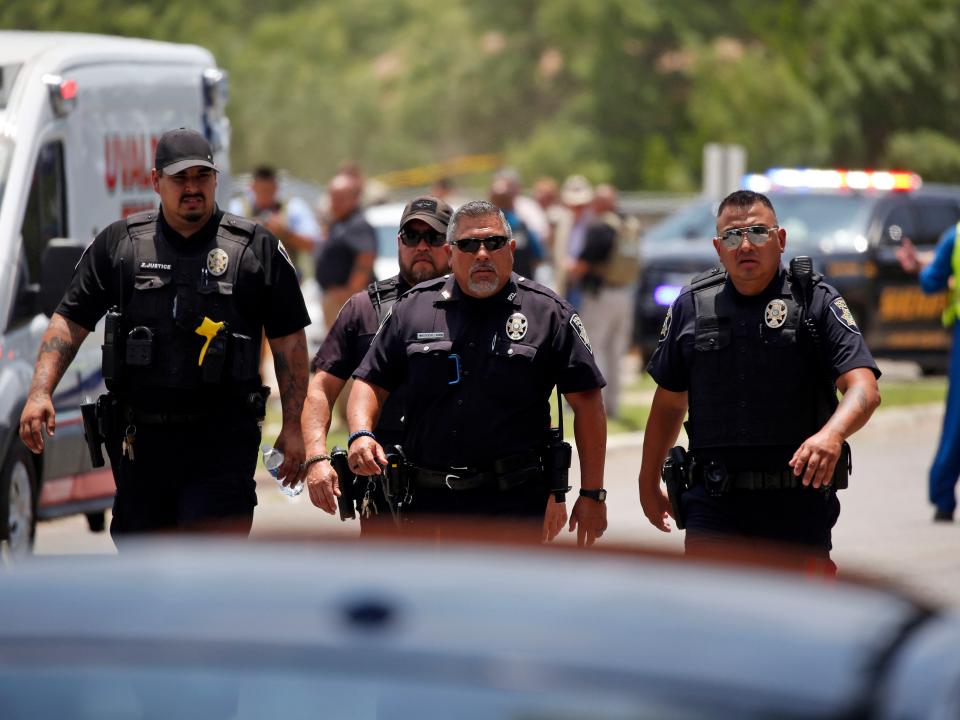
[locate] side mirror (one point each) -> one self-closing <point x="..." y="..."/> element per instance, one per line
<point x="57" y="265"/>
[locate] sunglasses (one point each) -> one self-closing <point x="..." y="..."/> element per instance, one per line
<point x="472" y="245"/>
<point x="756" y="234"/>
<point x="412" y="238"/>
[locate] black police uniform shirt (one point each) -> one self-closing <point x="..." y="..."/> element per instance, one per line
<point x="479" y="373"/>
<point x="267" y="291"/>
<point x="759" y="390"/>
<point x="347" y="239"/>
<point x="345" y="346"/>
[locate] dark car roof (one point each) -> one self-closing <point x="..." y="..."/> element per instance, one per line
<point x="637" y="624"/>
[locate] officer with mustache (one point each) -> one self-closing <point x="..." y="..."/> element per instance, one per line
<point x="480" y="353"/>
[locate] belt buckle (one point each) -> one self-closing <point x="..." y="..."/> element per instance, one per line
<point x="716" y="478"/>
<point x="446" y="480"/>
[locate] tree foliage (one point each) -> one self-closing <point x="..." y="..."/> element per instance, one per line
<point x="621" y="90"/>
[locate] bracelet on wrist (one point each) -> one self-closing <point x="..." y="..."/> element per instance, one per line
<point x="314" y="459"/>
<point x="359" y="434"/>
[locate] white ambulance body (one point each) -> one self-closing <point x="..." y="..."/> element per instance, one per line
<point x="80" y="116"/>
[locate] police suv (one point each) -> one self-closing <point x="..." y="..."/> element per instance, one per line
<point x="80" y="116"/>
<point x="851" y="223"/>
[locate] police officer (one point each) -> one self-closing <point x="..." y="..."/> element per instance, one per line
<point x="480" y="353"/>
<point x="756" y="355"/>
<point x="423" y="255"/>
<point x="188" y="289"/>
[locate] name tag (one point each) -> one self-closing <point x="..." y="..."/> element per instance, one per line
<point x="430" y="336"/>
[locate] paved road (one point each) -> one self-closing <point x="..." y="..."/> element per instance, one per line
<point x="885" y="527"/>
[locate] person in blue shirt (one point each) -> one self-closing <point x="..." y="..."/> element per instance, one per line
<point x="935" y="271"/>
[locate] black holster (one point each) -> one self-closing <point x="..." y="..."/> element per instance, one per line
<point x="557" y="457"/>
<point x="674" y="476"/>
<point x="91" y="432"/>
<point x="347" y="480"/>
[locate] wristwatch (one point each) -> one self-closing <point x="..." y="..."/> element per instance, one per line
<point x="599" y="495"/>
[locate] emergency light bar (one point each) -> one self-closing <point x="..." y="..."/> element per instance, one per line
<point x="814" y="179"/>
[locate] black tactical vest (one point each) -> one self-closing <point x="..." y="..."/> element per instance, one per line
<point x="752" y="382"/>
<point x="389" y="431"/>
<point x="172" y="293"/>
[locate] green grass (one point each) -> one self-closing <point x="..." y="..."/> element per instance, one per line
<point x="896" y="393"/>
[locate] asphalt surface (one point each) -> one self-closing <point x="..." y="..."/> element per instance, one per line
<point x="885" y="527"/>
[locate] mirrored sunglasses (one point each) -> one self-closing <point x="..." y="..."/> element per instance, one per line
<point x="756" y="234"/>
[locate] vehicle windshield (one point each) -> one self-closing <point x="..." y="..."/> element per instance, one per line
<point x="823" y="222"/>
<point x="813" y="221"/>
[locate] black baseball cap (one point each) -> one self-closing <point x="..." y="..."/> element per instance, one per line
<point x="182" y="148"/>
<point x="433" y="211"/>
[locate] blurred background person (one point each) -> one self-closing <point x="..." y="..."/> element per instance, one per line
<point x="292" y="220"/>
<point x="939" y="270"/>
<point x="529" y="251"/>
<point x="345" y="261"/>
<point x="526" y="208"/>
<point x="576" y="194"/>
<point x="605" y="274"/>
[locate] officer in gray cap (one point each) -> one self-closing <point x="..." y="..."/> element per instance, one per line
<point x="187" y="291"/>
<point x="422" y="253"/>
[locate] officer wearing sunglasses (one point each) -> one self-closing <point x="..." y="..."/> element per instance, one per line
<point x="423" y="255"/>
<point x="480" y="353"/>
<point x="755" y="353"/>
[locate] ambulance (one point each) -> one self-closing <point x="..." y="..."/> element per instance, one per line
<point x="80" y="117"/>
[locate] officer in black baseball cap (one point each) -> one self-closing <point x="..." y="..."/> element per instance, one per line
<point x="190" y="291"/>
<point x="181" y="149"/>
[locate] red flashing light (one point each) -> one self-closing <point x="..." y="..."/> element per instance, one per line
<point x="68" y="89"/>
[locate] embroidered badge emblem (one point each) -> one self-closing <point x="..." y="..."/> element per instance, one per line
<point x="577" y="325"/>
<point x="842" y="312"/>
<point x="665" y="328"/>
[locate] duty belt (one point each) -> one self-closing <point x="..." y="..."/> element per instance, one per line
<point x="506" y="474"/>
<point x="746" y="479"/>
<point x="717" y="479"/>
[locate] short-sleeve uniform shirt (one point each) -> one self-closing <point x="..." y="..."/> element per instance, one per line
<point x="479" y="372"/>
<point x="345" y="346"/>
<point x="757" y="389"/>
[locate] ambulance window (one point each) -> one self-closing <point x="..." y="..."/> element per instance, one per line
<point x="899" y="224"/>
<point x="46" y="208"/>
<point x="935" y="216"/>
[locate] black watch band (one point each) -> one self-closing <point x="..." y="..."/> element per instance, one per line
<point x="560" y="494"/>
<point x="600" y="495"/>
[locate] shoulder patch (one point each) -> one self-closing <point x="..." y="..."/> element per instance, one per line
<point x="665" y="328"/>
<point x="286" y="255"/>
<point x="843" y="315"/>
<point x="577" y="324"/>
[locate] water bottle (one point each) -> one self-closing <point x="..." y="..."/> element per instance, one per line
<point x="272" y="460"/>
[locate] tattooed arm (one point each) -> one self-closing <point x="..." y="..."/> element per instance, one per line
<point x="291" y="365"/>
<point x="817" y="457"/>
<point x="57" y="349"/>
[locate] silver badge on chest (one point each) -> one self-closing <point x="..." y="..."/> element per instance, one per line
<point x="776" y="313"/>
<point x="217" y="261"/>
<point x="516" y="326"/>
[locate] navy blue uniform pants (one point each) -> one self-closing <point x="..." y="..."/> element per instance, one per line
<point x="946" y="464"/>
<point x="519" y="510"/>
<point x="801" y="517"/>
<point x="186" y="476"/>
